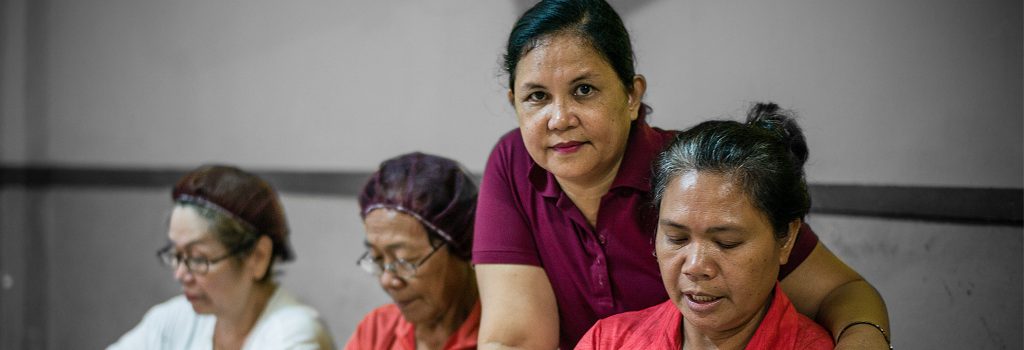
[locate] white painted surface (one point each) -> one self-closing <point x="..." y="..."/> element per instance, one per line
<point x="896" y="93"/>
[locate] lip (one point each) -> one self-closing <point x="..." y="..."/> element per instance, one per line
<point x="702" y="307"/>
<point x="192" y="297"/>
<point x="567" y="147"/>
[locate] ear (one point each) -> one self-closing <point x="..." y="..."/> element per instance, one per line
<point x="636" y="96"/>
<point x="511" y="98"/>
<point x="786" y="245"/>
<point x="260" y="257"/>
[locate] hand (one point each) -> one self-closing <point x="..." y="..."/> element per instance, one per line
<point x="862" y="337"/>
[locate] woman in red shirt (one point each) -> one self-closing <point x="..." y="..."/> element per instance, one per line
<point x="418" y="211"/>
<point x="731" y="199"/>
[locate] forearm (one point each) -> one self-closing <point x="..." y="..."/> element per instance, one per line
<point x="855" y="301"/>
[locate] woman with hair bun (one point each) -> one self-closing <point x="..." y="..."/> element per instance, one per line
<point x="226" y="231"/>
<point x="731" y="198"/>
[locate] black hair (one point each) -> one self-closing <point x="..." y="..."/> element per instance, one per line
<point x="765" y="155"/>
<point x="594" y="21"/>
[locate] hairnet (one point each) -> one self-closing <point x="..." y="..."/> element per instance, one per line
<point x="240" y="195"/>
<point x="434" y="190"/>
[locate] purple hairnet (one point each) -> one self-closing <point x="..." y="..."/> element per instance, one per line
<point x="434" y="190"/>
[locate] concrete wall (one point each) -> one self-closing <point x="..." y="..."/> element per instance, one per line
<point x="907" y="93"/>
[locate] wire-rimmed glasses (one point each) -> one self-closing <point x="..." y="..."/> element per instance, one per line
<point x="195" y="265"/>
<point x="400" y="267"/>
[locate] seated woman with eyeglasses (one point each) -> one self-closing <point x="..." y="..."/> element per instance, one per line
<point x="418" y="213"/>
<point x="226" y="231"/>
<point x="730" y="199"/>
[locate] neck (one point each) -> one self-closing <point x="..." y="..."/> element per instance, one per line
<point x="233" y="327"/>
<point x="434" y="335"/>
<point x="586" y="193"/>
<point x="735" y="338"/>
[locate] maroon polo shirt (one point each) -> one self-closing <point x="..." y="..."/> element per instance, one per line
<point x="523" y="217"/>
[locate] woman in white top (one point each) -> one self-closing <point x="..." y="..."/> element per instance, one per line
<point x="226" y="231"/>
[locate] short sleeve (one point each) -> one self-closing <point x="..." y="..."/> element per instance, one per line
<point x="502" y="234"/>
<point x="805" y="242"/>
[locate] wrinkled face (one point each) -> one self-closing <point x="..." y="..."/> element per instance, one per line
<point x="718" y="256"/>
<point x="574" y="112"/>
<point x="222" y="288"/>
<point x="429" y="295"/>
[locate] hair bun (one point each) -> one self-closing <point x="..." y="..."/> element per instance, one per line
<point x="782" y="124"/>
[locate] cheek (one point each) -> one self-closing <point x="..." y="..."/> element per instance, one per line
<point x="670" y="264"/>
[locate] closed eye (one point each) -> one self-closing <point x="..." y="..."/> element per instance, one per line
<point x="729" y="245"/>
<point x="678" y="240"/>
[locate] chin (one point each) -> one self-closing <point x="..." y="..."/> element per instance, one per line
<point x="201" y="308"/>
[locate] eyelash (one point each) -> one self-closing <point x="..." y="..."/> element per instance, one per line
<point x="728" y="245"/>
<point x="723" y="245"/>
<point x="537" y="96"/>
<point x="530" y="96"/>
<point x="588" y="86"/>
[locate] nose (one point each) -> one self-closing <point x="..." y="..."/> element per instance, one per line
<point x="181" y="273"/>
<point x="563" y="116"/>
<point x="700" y="264"/>
<point x="389" y="280"/>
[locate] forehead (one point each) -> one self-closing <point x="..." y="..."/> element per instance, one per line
<point x="561" y="55"/>
<point x="386" y="227"/>
<point x="697" y="198"/>
<point x="188" y="226"/>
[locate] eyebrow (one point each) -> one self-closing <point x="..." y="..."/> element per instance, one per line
<point x="711" y="230"/>
<point x="585" y="76"/>
<point x="388" y="247"/>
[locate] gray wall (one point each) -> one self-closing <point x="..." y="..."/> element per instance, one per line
<point x="923" y="93"/>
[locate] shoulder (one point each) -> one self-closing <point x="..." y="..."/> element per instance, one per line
<point x="510" y="151"/>
<point x="166" y="323"/>
<point x="287" y="323"/>
<point x="387" y="317"/>
<point x="811" y="335"/>
<point x="172" y="313"/>
<point x="644" y="327"/>
<point x="377" y="329"/>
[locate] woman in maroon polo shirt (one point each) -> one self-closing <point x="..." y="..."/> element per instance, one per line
<point x="564" y="229"/>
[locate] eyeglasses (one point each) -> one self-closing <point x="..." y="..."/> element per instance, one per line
<point x="194" y="265"/>
<point x="401" y="268"/>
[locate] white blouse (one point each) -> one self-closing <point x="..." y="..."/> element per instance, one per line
<point x="173" y="325"/>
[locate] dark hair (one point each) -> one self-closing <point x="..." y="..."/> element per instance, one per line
<point x="594" y="21"/>
<point x="240" y="207"/>
<point x="766" y="156"/>
<point x="434" y="190"/>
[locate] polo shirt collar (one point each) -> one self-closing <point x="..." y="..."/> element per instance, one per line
<point x="643" y="146"/>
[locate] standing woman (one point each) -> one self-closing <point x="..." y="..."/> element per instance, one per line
<point x="564" y="231"/>
<point x="226" y="231"/>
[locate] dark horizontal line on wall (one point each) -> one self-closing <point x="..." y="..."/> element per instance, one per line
<point x="945" y="204"/>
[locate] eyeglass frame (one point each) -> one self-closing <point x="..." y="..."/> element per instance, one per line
<point x="190" y="261"/>
<point x="392" y="266"/>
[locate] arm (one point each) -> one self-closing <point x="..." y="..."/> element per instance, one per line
<point x="830" y="292"/>
<point x="518" y="308"/>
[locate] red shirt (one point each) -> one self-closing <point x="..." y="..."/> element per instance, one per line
<point x="660" y="327"/>
<point x="523" y="217"/>
<point x="385" y="329"/>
